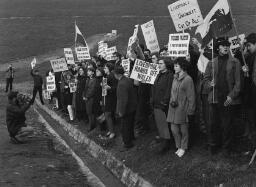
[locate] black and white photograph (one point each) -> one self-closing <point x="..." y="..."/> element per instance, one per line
<point x="127" y="93"/>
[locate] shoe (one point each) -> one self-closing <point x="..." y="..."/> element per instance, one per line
<point x="178" y="150"/>
<point x="112" y="135"/>
<point x="181" y="153"/>
<point x="166" y="147"/>
<point x="15" y="140"/>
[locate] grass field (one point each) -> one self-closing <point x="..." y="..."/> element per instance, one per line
<point x="34" y="27"/>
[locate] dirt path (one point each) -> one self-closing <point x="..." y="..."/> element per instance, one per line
<point x="35" y="163"/>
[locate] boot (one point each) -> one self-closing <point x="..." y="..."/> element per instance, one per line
<point x="91" y="122"/>
<point x="70" y="112"/>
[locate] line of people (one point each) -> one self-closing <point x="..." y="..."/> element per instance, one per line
<point x="184" y="99"/>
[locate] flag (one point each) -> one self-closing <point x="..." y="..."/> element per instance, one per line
<point x="33" y="63"/>
<point x="216" y="23"/>
<point x="79" y="38"/>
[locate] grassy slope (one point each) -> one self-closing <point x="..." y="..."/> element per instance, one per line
<point x="51" y="22"/>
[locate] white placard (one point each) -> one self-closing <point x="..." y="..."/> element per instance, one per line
<point x="72" y="87"/>
<point x="114" y="32"/>
<point x="126" y="65"/>
<point x="47" y="95"/>
<point x="69" y="56"/>
<point x="109" y="53"/>
<point x="50" y="83"/>
<point x="178" y="44"/>
<point x="33" y="63"/>
<point x="59" y="65"/>
<point x="185" y="14"/>
<point x="149" y="33"/>
<point x="144" y="71"/>
<point x="234" y="47"/>
<point x="82" y="53"/>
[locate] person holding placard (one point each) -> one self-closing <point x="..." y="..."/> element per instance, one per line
<point x="161" y="91"/>
<point x="223" y="82"/>
<point x="89" y="95"/>
<point x="80" y="104"/>
<point x="110" y="99"/>
<point x="182" y="106"/>
<point x="67" y="95"/>
<point x="98" y="99"/>
<point x="38" y="83"/>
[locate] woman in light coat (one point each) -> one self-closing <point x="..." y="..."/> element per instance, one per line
<point x="182" y="105"/>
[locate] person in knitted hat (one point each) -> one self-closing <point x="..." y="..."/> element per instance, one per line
<point x="223" y="84"/>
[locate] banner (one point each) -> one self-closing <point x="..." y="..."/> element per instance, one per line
<point x="82" y="53"/>
<point x="144" y="71"/>
<point x="50" y="83"/>
<point x="149" y="33"/>
<point x="185" y="14"/>
<point x="59" y="65"/>
<point x="109" y="53"/>
<point x="178" y="44"/>
<point x="33" y="63"/>
<point x="69" y="56"/>
<point x="217" y="22"/>
<point x="234" y="47"/>
<point x="126" y="66"/>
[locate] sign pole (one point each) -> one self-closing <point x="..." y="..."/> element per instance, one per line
<point x="75" y="34"/>
<point x="213" y="78"/>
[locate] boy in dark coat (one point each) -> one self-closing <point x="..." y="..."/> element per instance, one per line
<point x="126" y="106"/>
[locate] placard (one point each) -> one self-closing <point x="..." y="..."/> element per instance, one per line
<point x="144" y="71"/>
<point x="178" y="44"/>
<point x="126" y="66"/>
<point x="72" y="87"/>
<point x="185" y="14"/>
<point x="33" y="63"/>
<point x="149" y="33"/>
<point x="50" y="83"/>
<point x="235" y="46"/>
<point x="69" y="56"/>
<point x="59" y="65"/>
<point x="109" y="53"/>
<point x="133" y="38"/>
<point x="82" y="53"/>
<point x="46" y="95"/>
<point x="104" y="84"/>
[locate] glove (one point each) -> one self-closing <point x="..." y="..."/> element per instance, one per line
<point x="191" y="119"/>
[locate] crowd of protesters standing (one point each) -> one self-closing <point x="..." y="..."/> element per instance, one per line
<point x="183" y="99"/>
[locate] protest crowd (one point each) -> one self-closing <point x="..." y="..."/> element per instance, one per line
<point x="190" y="86"/>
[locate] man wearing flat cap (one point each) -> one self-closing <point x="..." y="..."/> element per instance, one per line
<point x="15" y="118"/>
<point x="223" y="82"/>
